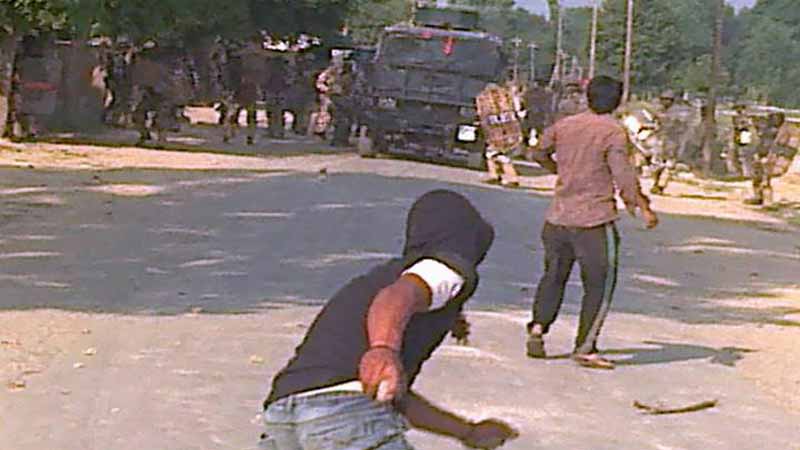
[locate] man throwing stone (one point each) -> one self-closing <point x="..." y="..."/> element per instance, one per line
<point x="348" y="385"/>
<point x="591" y="159"/>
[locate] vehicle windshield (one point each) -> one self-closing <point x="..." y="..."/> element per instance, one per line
<point x="480" y="58"/>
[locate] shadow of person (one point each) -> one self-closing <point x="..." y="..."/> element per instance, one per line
<point x="666" y="352"/>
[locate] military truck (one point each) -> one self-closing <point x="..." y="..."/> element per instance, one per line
<point x="423" y="84"/>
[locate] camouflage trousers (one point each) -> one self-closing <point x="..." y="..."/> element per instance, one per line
<point x="231" y="111"/>
<point x="500" y="166"/>
<point x="761" y="177"/>
<point x="663" y="163"/>
<point x="152" y="114"/>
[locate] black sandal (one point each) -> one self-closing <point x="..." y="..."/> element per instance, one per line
<point x="535" y="346"/>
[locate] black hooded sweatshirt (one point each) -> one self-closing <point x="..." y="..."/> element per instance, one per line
<point x="442" y="225"/>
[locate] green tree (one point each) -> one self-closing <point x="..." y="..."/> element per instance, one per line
<point x="22" y="16"/>
<point x="764" y="57"/>
<point x="656" y="51"/>
<point x="367" y="18"/>
<point x="577" y="32"/>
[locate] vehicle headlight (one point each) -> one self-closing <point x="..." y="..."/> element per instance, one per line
<point x="387" y="103"/>
<point x="467" y="133"/>
<point x="533" y="139"/>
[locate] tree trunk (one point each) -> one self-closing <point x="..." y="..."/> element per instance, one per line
<point x="593" y="40"/>
<point x="710" y="149"/>
<point x="8" y="47"/>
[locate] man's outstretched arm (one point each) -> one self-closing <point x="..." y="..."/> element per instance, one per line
<point x="380" y="369"/>
<point x="422" y="414"/>
<point x="627" y="180"/>
<point x="543" y="153"/>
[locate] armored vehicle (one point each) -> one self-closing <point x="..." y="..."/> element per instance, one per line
<point x="423" y="83"/>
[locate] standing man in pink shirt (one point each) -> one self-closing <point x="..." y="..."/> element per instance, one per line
<point x="589" y="152"/>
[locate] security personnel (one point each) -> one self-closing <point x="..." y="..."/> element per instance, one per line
<point x="673" y="133"/>
<point x="342" y="102"/>
<point x="573" y="101"/>
<point x="245" y="68"/>
<point x="153" y="85"/>
<point x="499" y="110"/>
<point x="120" y="83"/>
<point x="743" y="139"/>
<point x="769" y="148"/>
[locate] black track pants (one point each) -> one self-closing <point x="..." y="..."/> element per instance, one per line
<point x="596" y="251"/>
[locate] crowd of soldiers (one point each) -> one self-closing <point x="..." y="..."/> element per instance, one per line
<point x="668" y="138"/>
<point x="756" y="147"/>
<point x="149" y="86"/>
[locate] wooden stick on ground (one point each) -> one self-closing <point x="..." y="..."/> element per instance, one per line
<point x="691" y="408"/>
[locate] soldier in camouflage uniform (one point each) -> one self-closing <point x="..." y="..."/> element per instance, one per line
<point x="218" y="75"/>
<point x="672" y="131"/>
<point x="120" y="83"/>
<point x="151" y="88"/>
<point x="499" y="108"/>
<point x="278" y="79"/>
<point x="742" y="148"/>
<point x="342" y="106"/>
<point x="770" y="146"/>
<point x="302" y="95"/>
<point x="572" y="102"/>
<point x="162" y="85"/>
<point x="245" y="68"/>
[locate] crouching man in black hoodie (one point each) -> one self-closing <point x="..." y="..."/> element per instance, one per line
<point x="348" y="385"/>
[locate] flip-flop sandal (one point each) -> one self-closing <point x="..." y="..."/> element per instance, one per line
<point x="593" y="362"/>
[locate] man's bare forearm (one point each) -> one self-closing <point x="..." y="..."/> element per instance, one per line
<point x="391" y="310"/>
<point x="545" y="159"/>
<point x="425" y="416"/>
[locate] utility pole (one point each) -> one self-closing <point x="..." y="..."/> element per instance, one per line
<point x="517" y="42"/>
<point x="626" y="83"/>
<point x="557" y="68"/>
<point x="593" y="43"/>
<point x="532" y="74"/>
<point x="709" y="134"/>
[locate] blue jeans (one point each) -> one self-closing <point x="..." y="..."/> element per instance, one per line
<point x="333" y="421"/>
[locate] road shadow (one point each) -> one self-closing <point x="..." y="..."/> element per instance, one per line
<point x="198" y="139"/>
<point x="669" y="352"/>
<point x="229" y="242"/>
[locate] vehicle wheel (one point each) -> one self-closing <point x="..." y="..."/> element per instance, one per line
<point x="371" y="144"/>
<point x="476" y="161"/>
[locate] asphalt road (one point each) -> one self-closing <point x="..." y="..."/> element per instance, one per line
<point x="692" y="315"/>
<point x="237" y="242"/>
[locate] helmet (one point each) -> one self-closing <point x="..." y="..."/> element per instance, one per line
<point x="667" y="95"/>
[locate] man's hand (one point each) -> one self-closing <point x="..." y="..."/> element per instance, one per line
<point x="489" y="434"/>
<point x="381" y="374"/>
<point x="461" y="330"/>
<point x="650" y="218"/>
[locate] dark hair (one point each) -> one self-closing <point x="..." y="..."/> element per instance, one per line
<point x="604" y="94"/>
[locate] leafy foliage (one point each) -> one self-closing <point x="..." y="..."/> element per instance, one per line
<point x="20" y="16"/>
<point x="672" y="42"/>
